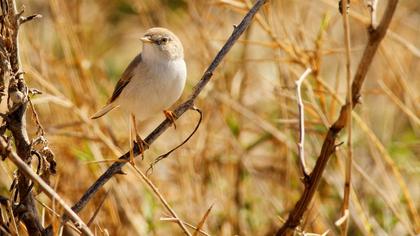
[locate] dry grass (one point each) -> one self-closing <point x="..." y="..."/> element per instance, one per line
<point x="243" y="159"/>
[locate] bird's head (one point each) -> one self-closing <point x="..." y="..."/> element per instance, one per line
<point x="160" y="43"/>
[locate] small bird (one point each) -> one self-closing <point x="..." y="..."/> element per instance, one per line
<point x="153" y="81"/>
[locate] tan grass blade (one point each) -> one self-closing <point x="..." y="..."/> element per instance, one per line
<point x="202" y="221"/>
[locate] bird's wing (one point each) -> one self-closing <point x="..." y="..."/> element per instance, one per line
<point x="125" y="78"/>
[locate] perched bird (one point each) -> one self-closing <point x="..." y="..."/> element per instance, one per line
<point x="153" y="81"/>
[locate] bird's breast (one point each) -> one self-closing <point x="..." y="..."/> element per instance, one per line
<point x="154" y="88"/>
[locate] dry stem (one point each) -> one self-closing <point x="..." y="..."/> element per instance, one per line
<point x="347" y="182"/>
<point x="187" y="224"/>
<point x="162" y="199"/>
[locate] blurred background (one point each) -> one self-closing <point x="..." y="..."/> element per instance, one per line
<point x="243" y="159"/>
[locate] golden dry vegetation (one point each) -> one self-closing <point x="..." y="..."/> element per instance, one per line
<point x="243" y="159"/>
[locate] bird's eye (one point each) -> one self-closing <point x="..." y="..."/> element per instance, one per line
<point x="164" y="40"/>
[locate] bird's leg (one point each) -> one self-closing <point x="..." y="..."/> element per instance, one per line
<point x="171" y="116"/>
<point x="131" y="142"/>
<point x="131" y="148"/>
<point x="139" y="141"/>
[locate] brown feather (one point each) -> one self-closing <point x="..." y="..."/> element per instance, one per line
<point x="125" y="78"/>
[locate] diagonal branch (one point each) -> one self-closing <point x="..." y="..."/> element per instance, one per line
<point x="328" y="147"/>
<point x="179" y="111"/>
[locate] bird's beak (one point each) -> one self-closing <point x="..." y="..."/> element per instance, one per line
<point x="145" y="40"/>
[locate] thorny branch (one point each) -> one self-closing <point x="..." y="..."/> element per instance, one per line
<point x="14" y="120"/>
<point x="328" y="147"/>
<point x="116" y="168"/>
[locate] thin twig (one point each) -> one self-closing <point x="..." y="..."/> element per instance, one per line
<point x="45" y="187"/>
<point x="101" y="203"/>
<point x="254" y="118"/>
<point x="52" y="211"/>
<point x="347" y="181"/>
<point x="410" y="46"/>
<point x="40" y="128"/>
<point x="328" y="147"/>
<point x="372" y="4"/>
<point x="12" y="217"/>
<point x="202" y="221"/>
<point x="179" y="111"/>
<point x="163" y="156"/>
<point x="410" y="114"/>
<point x="342" y="220"/>
<point x="186" y="223"/>
<point x="301" y="144"/>
<point x="162" y="199"/>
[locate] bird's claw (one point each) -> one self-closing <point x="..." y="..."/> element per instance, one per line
<point x="170" y="116"/>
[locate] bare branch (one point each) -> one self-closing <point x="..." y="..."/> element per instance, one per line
<point x="301" y="151"/>
<point x="328" y="147"/>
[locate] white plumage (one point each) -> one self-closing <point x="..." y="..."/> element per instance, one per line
<point x="154" y="89"/>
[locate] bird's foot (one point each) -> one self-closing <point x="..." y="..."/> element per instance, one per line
<point x="171" y="116"/>
<point x="142" y="145"/>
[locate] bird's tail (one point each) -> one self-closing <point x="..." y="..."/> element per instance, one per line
<point x="103" y="111"/>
